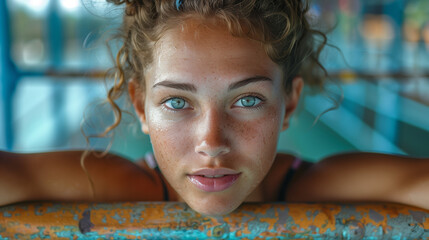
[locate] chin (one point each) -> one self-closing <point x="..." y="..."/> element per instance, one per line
<point x="214" y="211"/>
<point x="214" y="207"/>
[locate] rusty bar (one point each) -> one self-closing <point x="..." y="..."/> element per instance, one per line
<point x="172" y="220"/>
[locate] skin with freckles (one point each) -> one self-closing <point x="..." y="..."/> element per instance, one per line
<point x="213" y="101"/>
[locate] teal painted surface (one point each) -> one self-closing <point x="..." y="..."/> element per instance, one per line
<point x="130" y="142"/>
<point x="311" y="142"/>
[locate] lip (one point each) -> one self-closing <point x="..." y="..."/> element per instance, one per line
<point x="214" y="180"/>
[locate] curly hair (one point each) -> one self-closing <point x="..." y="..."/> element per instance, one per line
<point x="280" y="25"/>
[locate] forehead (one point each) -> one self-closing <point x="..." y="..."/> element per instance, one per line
<point x="194" y="46"/>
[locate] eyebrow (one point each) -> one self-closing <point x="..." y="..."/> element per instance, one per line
<point x="248" y="81"/>
<point x="175" y="85"/>
<point x="191" y="87"/>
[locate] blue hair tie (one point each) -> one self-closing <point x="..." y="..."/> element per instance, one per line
<point x="178" y="3"/>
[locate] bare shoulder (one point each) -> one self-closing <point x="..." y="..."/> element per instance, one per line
<point x="362" y="177"/>
<point x="276" y="175"/>
<point x="360" y="165"/>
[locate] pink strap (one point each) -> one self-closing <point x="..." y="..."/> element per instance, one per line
<point x="150" y="160"/>
<point x="296" y="163"/>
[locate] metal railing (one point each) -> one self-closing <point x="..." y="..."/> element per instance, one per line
<point x="173" y="220"/>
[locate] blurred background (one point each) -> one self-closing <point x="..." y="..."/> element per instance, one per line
<point x="53" y="57"/>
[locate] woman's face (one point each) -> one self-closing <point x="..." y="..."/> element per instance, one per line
<point x="213" y="106"/>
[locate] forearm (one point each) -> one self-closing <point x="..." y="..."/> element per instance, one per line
<point x="58" y="176"/>
<point x="365" y="177"/>
<point x="25" y="177"/>
<point x="415" y="191"/>
<point x="10" y="190"/>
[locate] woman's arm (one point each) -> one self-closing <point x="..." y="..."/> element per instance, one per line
<point x="59" y="176"/>
<point x="365" y="177"/>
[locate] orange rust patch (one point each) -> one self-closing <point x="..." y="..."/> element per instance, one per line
<point x="271" y="222"/>
<point x="322" y="216"/>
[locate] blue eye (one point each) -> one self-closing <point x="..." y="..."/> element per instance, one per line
<point x="176" y="103"/>
<point x="248" y="101"/>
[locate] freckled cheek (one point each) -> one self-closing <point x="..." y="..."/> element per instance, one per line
<point x="255" y="143"/>
<point x="262" y="131"/>
<point x="170" y="141"/>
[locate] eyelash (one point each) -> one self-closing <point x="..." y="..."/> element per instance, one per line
<point x="165" y="100"/>
<point x="256" y="95"/>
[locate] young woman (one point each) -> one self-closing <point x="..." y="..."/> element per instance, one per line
<point x="213" y="83"/>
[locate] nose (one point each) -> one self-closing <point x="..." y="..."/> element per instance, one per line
<point x="211" y="137"/>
